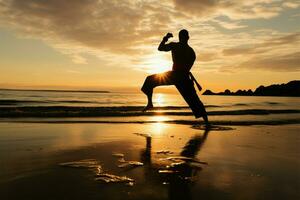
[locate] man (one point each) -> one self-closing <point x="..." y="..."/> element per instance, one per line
<point x="183" y="57"/>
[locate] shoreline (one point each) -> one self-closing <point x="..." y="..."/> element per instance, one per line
<point x="179" y="122"/>
<point x="127" y="111"/>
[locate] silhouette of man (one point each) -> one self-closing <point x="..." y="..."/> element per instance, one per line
<point x="183" y="57"/>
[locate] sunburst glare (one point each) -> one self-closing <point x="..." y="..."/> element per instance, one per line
<point x="157" y="64"/>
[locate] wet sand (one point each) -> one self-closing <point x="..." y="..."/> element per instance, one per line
<point x="178" y="161"/>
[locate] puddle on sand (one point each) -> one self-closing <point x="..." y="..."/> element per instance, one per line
<point x="118" y="155"/>
<point x="183" y="158"/>
<point x="175" y="164"/>
<point x="130" y="164"/>
<point x="212" y="128"/>
<point x="126" y="164"/>
<point x="110" y="178"/>
<point x="184" y="168"/>
<point x="164" y="152"/>
<point x="100" y="175"/>
<point x="86" y="163"/>
<point x="172" y="168"/>
<point x="167" y="171"/>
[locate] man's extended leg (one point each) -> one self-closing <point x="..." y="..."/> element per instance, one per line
<point x="186" y="88"/>
<point x="204" y="115"/>
<point x="153" y="81"/>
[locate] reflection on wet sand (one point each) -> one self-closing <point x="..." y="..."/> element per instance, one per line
<point x="178" y="175"/>
<point x="256" y="162"/>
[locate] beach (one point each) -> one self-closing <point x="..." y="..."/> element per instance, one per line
<point x="238" y="162"/>
<point x="74" y="146"/>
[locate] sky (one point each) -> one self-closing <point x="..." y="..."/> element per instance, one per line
<point x="112" y="45"/>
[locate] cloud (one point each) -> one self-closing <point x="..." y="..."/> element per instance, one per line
<point x="291" y="4"/>
<point x="200" y="8"/>
<point x="235" y="9"/>
<point x="78" y="59"/>
<point x="281" y="63"/>
<point x="275" y="53"/>
<point x="127" y="32"/>
<point x="90" y="22"/>
<point x="207" y="56"/>
<point x="239" y="51"/>
<point x="256" y="11"/>
<point x="292" y="39"/>
<point x="118" y="27"/>
<point x="228" y="25"/>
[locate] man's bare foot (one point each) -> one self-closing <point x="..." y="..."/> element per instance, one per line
<point x="148" y="107"/>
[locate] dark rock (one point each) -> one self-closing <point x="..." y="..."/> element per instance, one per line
<point x="291" y="88"/>
<point x="227" y="92"/>
<point x="208" y="92"/>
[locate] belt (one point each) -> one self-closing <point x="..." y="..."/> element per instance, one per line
<point x="195" y="81"/>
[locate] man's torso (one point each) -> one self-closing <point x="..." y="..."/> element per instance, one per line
<point x="183" y="57"/>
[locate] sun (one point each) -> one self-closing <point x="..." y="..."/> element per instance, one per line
<point x="158" y="63"/>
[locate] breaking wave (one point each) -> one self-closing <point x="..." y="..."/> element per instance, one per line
<point x="120" y="111"/>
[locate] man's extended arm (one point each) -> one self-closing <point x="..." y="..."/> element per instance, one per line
<point x="163" y="46"/>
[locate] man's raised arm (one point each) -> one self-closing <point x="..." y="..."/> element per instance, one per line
<point x="163" y="46"/>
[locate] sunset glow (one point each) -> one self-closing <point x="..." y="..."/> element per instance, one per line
<point x="106" y="44"/>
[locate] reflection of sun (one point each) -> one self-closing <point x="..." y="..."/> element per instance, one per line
<point x="157" y="64"/>
<point x="158" y="127"/>
<point x="159" y="99"/>
<point x="160" y="118"/>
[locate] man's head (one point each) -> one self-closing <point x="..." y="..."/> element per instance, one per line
<point x="183" y="35"/>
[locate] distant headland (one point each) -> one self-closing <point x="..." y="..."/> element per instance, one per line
<point x="291" y="89"/>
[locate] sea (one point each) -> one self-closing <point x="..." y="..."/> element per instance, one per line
<point x="123" y="107"/>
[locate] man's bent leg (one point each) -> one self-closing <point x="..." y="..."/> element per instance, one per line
<point x="147" y="88"/>
<point x="153" y="81"/>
